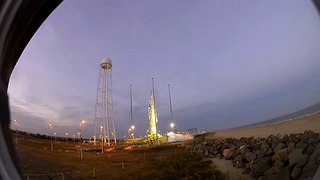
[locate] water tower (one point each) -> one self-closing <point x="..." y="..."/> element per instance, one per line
<point x="104" y="116"/>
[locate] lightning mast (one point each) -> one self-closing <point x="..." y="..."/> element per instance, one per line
<point x="131" y="129"/>
<point x="172" y="124"/>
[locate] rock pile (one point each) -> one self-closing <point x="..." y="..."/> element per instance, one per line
<point x="294" y="156"/>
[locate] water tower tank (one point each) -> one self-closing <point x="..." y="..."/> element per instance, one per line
<point x="106" y="63"/>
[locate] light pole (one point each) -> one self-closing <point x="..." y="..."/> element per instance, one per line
<point x="172" y="126"/>
<point x="131" y="132"/>
<point x="102" y="138"/>
<point x="78" y="133"/>
<point x="67" y="137"/>
<point x="81" y="123"/>
<point x="16" y="129"/>
<point x="55" y="137"/>
<point x="131" y="115"/>
<point x="51" y="136"/>
<point x="132" y="127"/>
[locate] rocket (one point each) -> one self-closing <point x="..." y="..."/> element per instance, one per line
<point x="153" y="119"/>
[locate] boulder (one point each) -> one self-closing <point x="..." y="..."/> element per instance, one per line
<point x="280" y="155"/>
<point x="301" y="145"/>
<point x="239" y="157"/>
<point x="308" y="171"/>
<point x="276" y="173"/>
<point x="260" y="153"/>
<point x="275" y="142"/>
<point x="246" y="171"/>
<point x="305" y="136"/>
<point x="301" y="161"/>
<point x="269" y="152"/>
<point x="285" y="139"/>
<point x="279" y="163"/>
<point x="293" y="138"/>
<point x="250" y="156"/>
<point x="243" y="149"/>
<point x="294" y="156"/>
<point x="295" y="173"/>
<point x="215" y="152"/>
<point x="219" y="141"/>
<point x="261" y="166"/>
<point x="312" y="165"/>
<point x="226" y="146"/>
<point x="309" y="137"/>
<point x="248" y="165"/>
<point x="312" y="140"/>
<point x="278" y="147"/>
<point x="227" y="153"/>
<point x="291" y="147"/>
<point x="240" y="164"/>
<point x="206" y="153"/>
<point x="262" y="141"/>
<point x="310" y="149"/>
<point x="264" y="146"/>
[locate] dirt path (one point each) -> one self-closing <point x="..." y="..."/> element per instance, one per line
<point x="226" y="167"/>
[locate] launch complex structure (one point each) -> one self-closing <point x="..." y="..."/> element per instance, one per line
<point x="104" y="122"/>
<point x="154" y="136"/>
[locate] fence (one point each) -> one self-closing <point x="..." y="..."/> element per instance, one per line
<point x="58" y="175"/>
<point x="92" y="173"/>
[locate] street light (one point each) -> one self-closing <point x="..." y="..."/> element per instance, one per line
<point x="81" y="122"/>
<point x="102" y="138"/>
<point x="172" y="126"/>
<point x="51" y="136"/>
<point x="16" y="129"/>
<point x="55" y="137"/>
<point x="101" y="134"/>
<point x="67" y="137"/>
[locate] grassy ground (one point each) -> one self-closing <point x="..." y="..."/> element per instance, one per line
<point x="170" y="161"/>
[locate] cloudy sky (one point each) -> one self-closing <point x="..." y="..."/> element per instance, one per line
<point x="229" y="63"/>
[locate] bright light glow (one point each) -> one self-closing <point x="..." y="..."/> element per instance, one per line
<point x="172" y="125"/>
<point x="67" y="134"/>
<point x="101" y="127"/>
<point x="82" y="121"/>
<point x="153" y="128"/>
<point x="173" y="137"/>
<point x="132" y="127"/>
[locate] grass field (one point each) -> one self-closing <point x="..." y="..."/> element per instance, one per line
<point x="169" y="161"/>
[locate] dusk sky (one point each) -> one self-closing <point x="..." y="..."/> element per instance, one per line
<point x="229" y="63"/>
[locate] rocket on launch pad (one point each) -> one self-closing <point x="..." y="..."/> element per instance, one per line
<point x="153" y="119"/>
